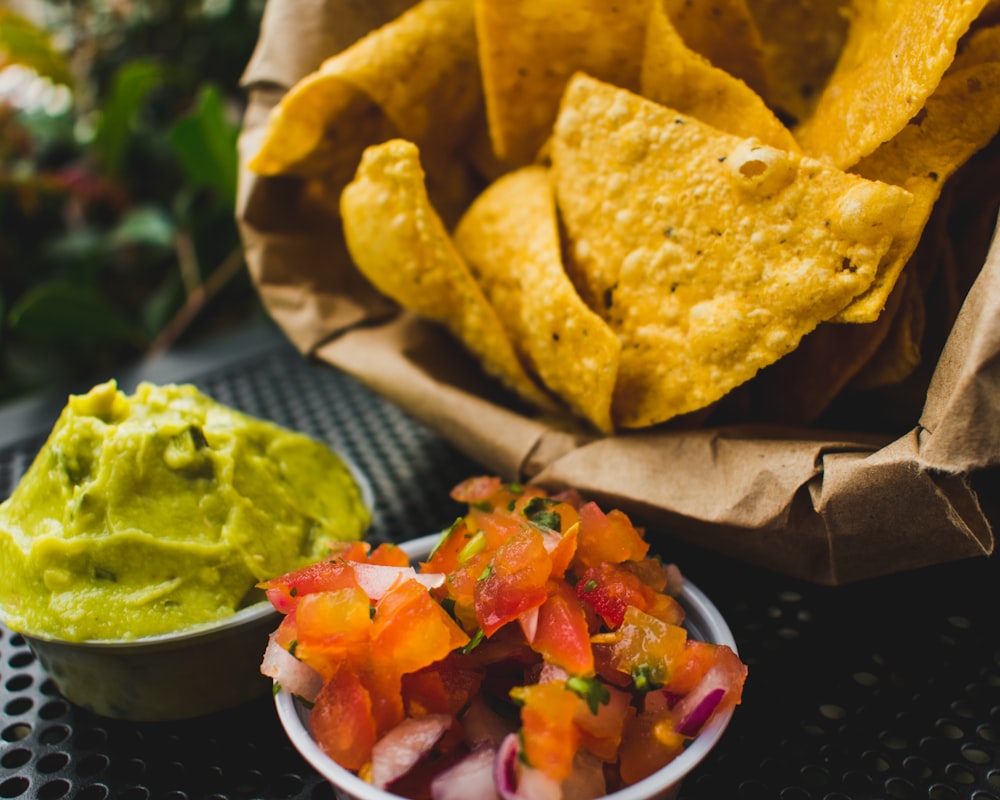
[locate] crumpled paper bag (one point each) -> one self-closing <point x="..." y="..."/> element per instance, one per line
<point x="826" y="506"/>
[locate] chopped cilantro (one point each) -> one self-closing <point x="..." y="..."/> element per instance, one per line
<point x="646" y="677"/>
<point x="590" y="585"/>
<point x="538" y="511"/>
<point x="591" y="690"/>
<point x="475" y="640"/>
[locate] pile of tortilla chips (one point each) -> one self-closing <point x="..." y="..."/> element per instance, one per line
<point x="633" y="212"/>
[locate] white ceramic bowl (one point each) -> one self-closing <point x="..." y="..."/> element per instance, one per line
<point x="172" y="676"/>
<point x="703" y="622"/>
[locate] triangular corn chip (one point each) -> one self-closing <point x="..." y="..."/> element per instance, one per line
<point x="415" y="77"/>
<point x="530" y="48"/>
<point x="959" y="119"/>
<point x="399" y="243"/>
<point x="510" y="239"/>
<point x="895" y="55"/>
<point x="710" y="255"/>
<point x="802" y="41"/>
<point x="675" y="75"/>
<point x="724" y="32"/>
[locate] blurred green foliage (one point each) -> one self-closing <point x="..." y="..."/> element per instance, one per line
<point x="118" y="164"/>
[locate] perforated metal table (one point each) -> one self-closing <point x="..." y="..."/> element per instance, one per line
<point x="886" y="689"/>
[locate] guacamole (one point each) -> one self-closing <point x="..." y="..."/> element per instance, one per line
<point x="155" y="512"/>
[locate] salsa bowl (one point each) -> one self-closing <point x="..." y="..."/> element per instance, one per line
<point x="703" y="622"/>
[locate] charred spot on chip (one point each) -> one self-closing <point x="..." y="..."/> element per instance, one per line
<point x="846" y="265"/>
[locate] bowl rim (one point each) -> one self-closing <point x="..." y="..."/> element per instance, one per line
<point x="254" y="613"/>
<point x="703" y="617"/>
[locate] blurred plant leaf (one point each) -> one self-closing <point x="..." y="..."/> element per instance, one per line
<point x="22" y="42"/>
<point x="131" y="86"/>
<point x="205" y="143"/>
<point x="145" y="225"/>
<point x="61" y="312"/>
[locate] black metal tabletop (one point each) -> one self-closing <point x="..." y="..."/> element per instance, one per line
<point x="884" y="689"/>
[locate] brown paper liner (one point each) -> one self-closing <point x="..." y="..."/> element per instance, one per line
<point x="818" y="504"/>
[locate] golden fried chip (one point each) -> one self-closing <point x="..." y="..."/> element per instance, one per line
<point x="802" y="385"/>
<point x="725" y="33"/>
<point x="895" y="55"/>
<point x="802" y="42"/>
<point x="398" y="242"/>
<point x="979" y="46"/>
<point x="510" y="239"/>
<point x="675" y="75"/>
<point x="960" y="118"/>
<point x="528" y="49"/>
<point x="710" y="255"/>
<point x="414" y="77"/>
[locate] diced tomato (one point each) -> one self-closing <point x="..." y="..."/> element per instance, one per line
<point x="561" y="636"/>
<point x="646" y="648"/>
<point x="285" y="590"/>
<point x="389" y="555"/>
<point x="601" y="733"/>
<point x="564" y="550"/>
<point x="411" y="631"/>
<point x="332" y="627"/>
<point x="610" y="589"/>
<point x="477" y="489"/>
<point x="514" y="582"/>
<point x="696" y="660"/>
<point x="607" y="537"/>
<point x="550" y="736"/>
<point x="341" y="719"/>
<point x="442" y="688"/>
<point x="444" y="557"/>
<point x="648" y="744"/>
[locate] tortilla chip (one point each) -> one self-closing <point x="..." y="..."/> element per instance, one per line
<point x="710" y="255"/>
<point x="416" y="77"/>
<point x="530" y="48"/>
<point x="675" y="75"/>
<point x="398" y="242"/>
<point x="724" y="32"/>
<point x="959" y="119"/>
<point x="802" y="42"/>
<point x="802" y="385"/>
<point x="894" y="57"/>
<point x="510" y="239"/>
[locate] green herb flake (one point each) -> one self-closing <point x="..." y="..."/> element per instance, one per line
<point x="591" y="690"/>
<point x="472" y="548"/>
<point x="647" y="678"/>
<point x="474" y="641"/>
<point x="538" y="512"/>
<point x="589" y="586"/>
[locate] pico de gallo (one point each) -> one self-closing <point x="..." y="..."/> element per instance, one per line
<point x="538" y="652"/>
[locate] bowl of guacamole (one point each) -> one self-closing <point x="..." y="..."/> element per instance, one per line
<point x="134" y="543"/>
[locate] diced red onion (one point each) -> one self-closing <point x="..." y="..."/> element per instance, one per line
<point x="697" y="707"/>
<point x="529" y="623"/>
<point x="517" y="781"/>
<point x="297" y="677"/>
<point x="377" y="579"/>
<point x="472" y="777"/>
<point x="401" y="748"/>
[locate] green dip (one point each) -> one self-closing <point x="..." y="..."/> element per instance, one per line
<point x="155" y="512"/>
